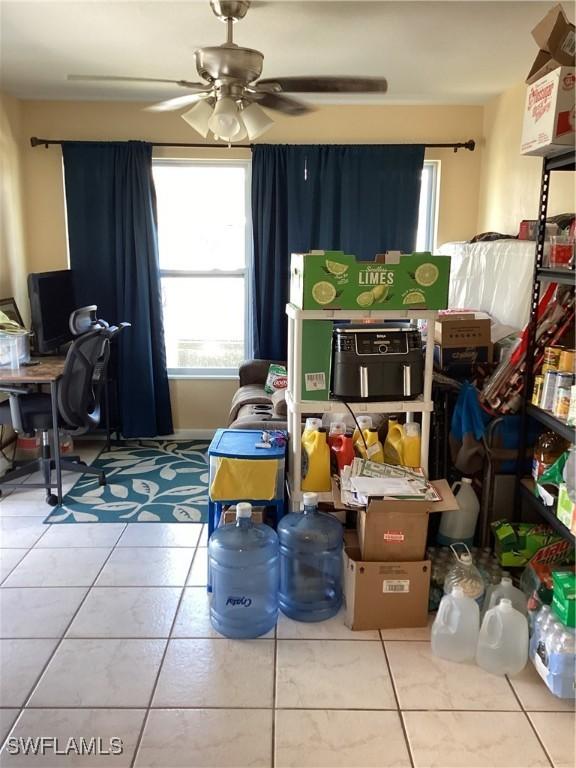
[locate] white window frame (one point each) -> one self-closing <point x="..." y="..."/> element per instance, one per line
<point x="217" y="373"/>
<point x="432" y="185"/>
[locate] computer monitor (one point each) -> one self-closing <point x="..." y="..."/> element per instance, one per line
<point x="51" y="303"/>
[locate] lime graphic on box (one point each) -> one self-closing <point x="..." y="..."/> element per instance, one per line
<point x="414" y="297"/>
<point x="380" y="292"/>
<point x="323" y="292"/>
<point x="335" y="268"/>
<point x="365" y="299"/>
<point x="426" y="275"/>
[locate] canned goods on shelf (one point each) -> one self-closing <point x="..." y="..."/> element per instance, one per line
<point x="566" y="362"/>
<point x="537" y="391"/>
<point x="562" y="403"/>
<point x="548" y="390"/>
<point x="551" y="359"/>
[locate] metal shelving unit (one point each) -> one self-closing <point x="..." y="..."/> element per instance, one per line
<point x="298" y="406"/>
<point x="563" y="162"/>
<point x="527" y="493"/>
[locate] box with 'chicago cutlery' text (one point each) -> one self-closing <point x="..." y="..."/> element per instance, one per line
<point x="396" y="531"/>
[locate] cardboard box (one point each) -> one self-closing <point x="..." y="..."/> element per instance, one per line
<point x="517" y="544"/>
<point x="462" y="331"/>
<point x="316" y="359"/>
<point x="385" y="595"/>
<point x="549" y="119"/>
<point x="229" y="515"/>
<point x="564" y="597"/>
<point x="335" y="280"/>
<point x="566" y="509"/>
<point x="554" y="35"/>
<point x="396" y="531"/>
<point x="459" y="360"/>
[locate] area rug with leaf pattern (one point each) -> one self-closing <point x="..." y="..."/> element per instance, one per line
<point x="147" y="481"/>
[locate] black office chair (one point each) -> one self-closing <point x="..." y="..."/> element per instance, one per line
<point x="79" y="395"/>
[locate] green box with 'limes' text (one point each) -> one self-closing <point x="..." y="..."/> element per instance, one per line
<point x="336" y="280"/>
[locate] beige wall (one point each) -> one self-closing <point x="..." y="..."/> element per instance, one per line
<point x="12" y="247"/>
<point x="203" y="404"/>
<point x="510" y="182"/>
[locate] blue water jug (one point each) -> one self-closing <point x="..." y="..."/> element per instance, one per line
<point x="244" y="571"/>
<point x="310" y="563"/>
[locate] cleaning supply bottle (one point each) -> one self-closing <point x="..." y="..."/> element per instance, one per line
<point x="503" y="640"/>
<point x="456" y="626"/>
<point x="373" y="449"/>
<point x="316" y="462"/>
<point x="460" y="524"/>
<point x="507" y="590"/>
<point x="412" y="445"/>
<point x="364" y="422"/>
<point x="342" y="451"/>
<point x="310" y="426"/>
<point x="337" y="428"/>
<point x="310" y="563"/>
<point x="393" y="453"/>
<point x="245" y="573"/>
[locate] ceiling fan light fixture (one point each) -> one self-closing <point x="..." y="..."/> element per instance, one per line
<point x="198" y="117"/>
<point x="225" y="119"/>
<point x="256" y="121"/>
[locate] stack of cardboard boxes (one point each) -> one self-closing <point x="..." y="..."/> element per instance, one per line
<point x="386" y="575"/>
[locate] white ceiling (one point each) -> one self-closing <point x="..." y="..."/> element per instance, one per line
<point x="430" y="52"/>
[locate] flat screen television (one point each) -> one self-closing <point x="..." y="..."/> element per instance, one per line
<point x="51" y="304"/>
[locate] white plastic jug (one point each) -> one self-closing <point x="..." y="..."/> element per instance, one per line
<point x="459" y="525"/>
<point x="503" y="640"/>
<point x="456" y="627"/>
<point x="507" y="590"/>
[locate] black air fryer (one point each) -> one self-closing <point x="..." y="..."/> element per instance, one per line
<point x="373" y="363"/>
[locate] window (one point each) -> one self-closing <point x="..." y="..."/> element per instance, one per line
<point x="428" y="208"/>
<point x="203" y="239"/>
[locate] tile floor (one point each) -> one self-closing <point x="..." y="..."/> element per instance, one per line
<point x="104" y="632"/>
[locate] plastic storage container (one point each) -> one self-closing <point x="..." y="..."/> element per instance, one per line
<point x="503" y="640"/>
<point x="507" y="590"/>
<point x="456" y="626"/>
<point x="555" y="660"/>
<point x="14" y="348"/>
<point x="310" y="563"/>
<point x="463" y="573"/>
<point x="244" y="571"/>
<point x="460" y="525"/>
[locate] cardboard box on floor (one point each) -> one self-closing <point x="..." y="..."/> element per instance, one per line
<point x="380" y="595"/>
<point x="461" y="340"/>
<point x="396" y="531"/>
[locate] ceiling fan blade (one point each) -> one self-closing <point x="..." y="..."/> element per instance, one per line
<point x="120" y="79"/>
<point x="281" y="103"/>
<point x="328" y="84"/>
<point x="178" y="102"/>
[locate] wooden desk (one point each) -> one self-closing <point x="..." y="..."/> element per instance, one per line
<point x="47" y="371"/>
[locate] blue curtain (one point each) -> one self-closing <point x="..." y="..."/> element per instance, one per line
<point x="362" y="199"/>
<point x="111" y="212"/>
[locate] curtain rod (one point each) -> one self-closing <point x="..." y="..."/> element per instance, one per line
<point x="36" y="142"/>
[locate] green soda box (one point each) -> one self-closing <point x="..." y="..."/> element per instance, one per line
<point x="316" y="359"/>
<point x="337" y="280"/>
<point x="564" y="597"/>
<point x="517" y="544"/>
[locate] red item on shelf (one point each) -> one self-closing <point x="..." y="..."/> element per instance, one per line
<point x="343" y="449"/>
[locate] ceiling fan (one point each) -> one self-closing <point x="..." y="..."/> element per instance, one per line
<point x="229" y="103"/>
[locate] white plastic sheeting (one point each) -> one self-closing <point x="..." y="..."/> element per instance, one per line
<point x="495" y="277"/>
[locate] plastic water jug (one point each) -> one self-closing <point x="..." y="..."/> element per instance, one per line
<point x="510" y="592"/>
<point x="503" y="640"/>
<point x="310" y="563"/>
<point x="459" y="525"/>
<point x="463" y="573"/>
<point x="393" y="453"/>
<point x="456" y="626"/>
<point x="412" y="445"/>
<point x="316" y="462"/>
<point x="245" y="571"/>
